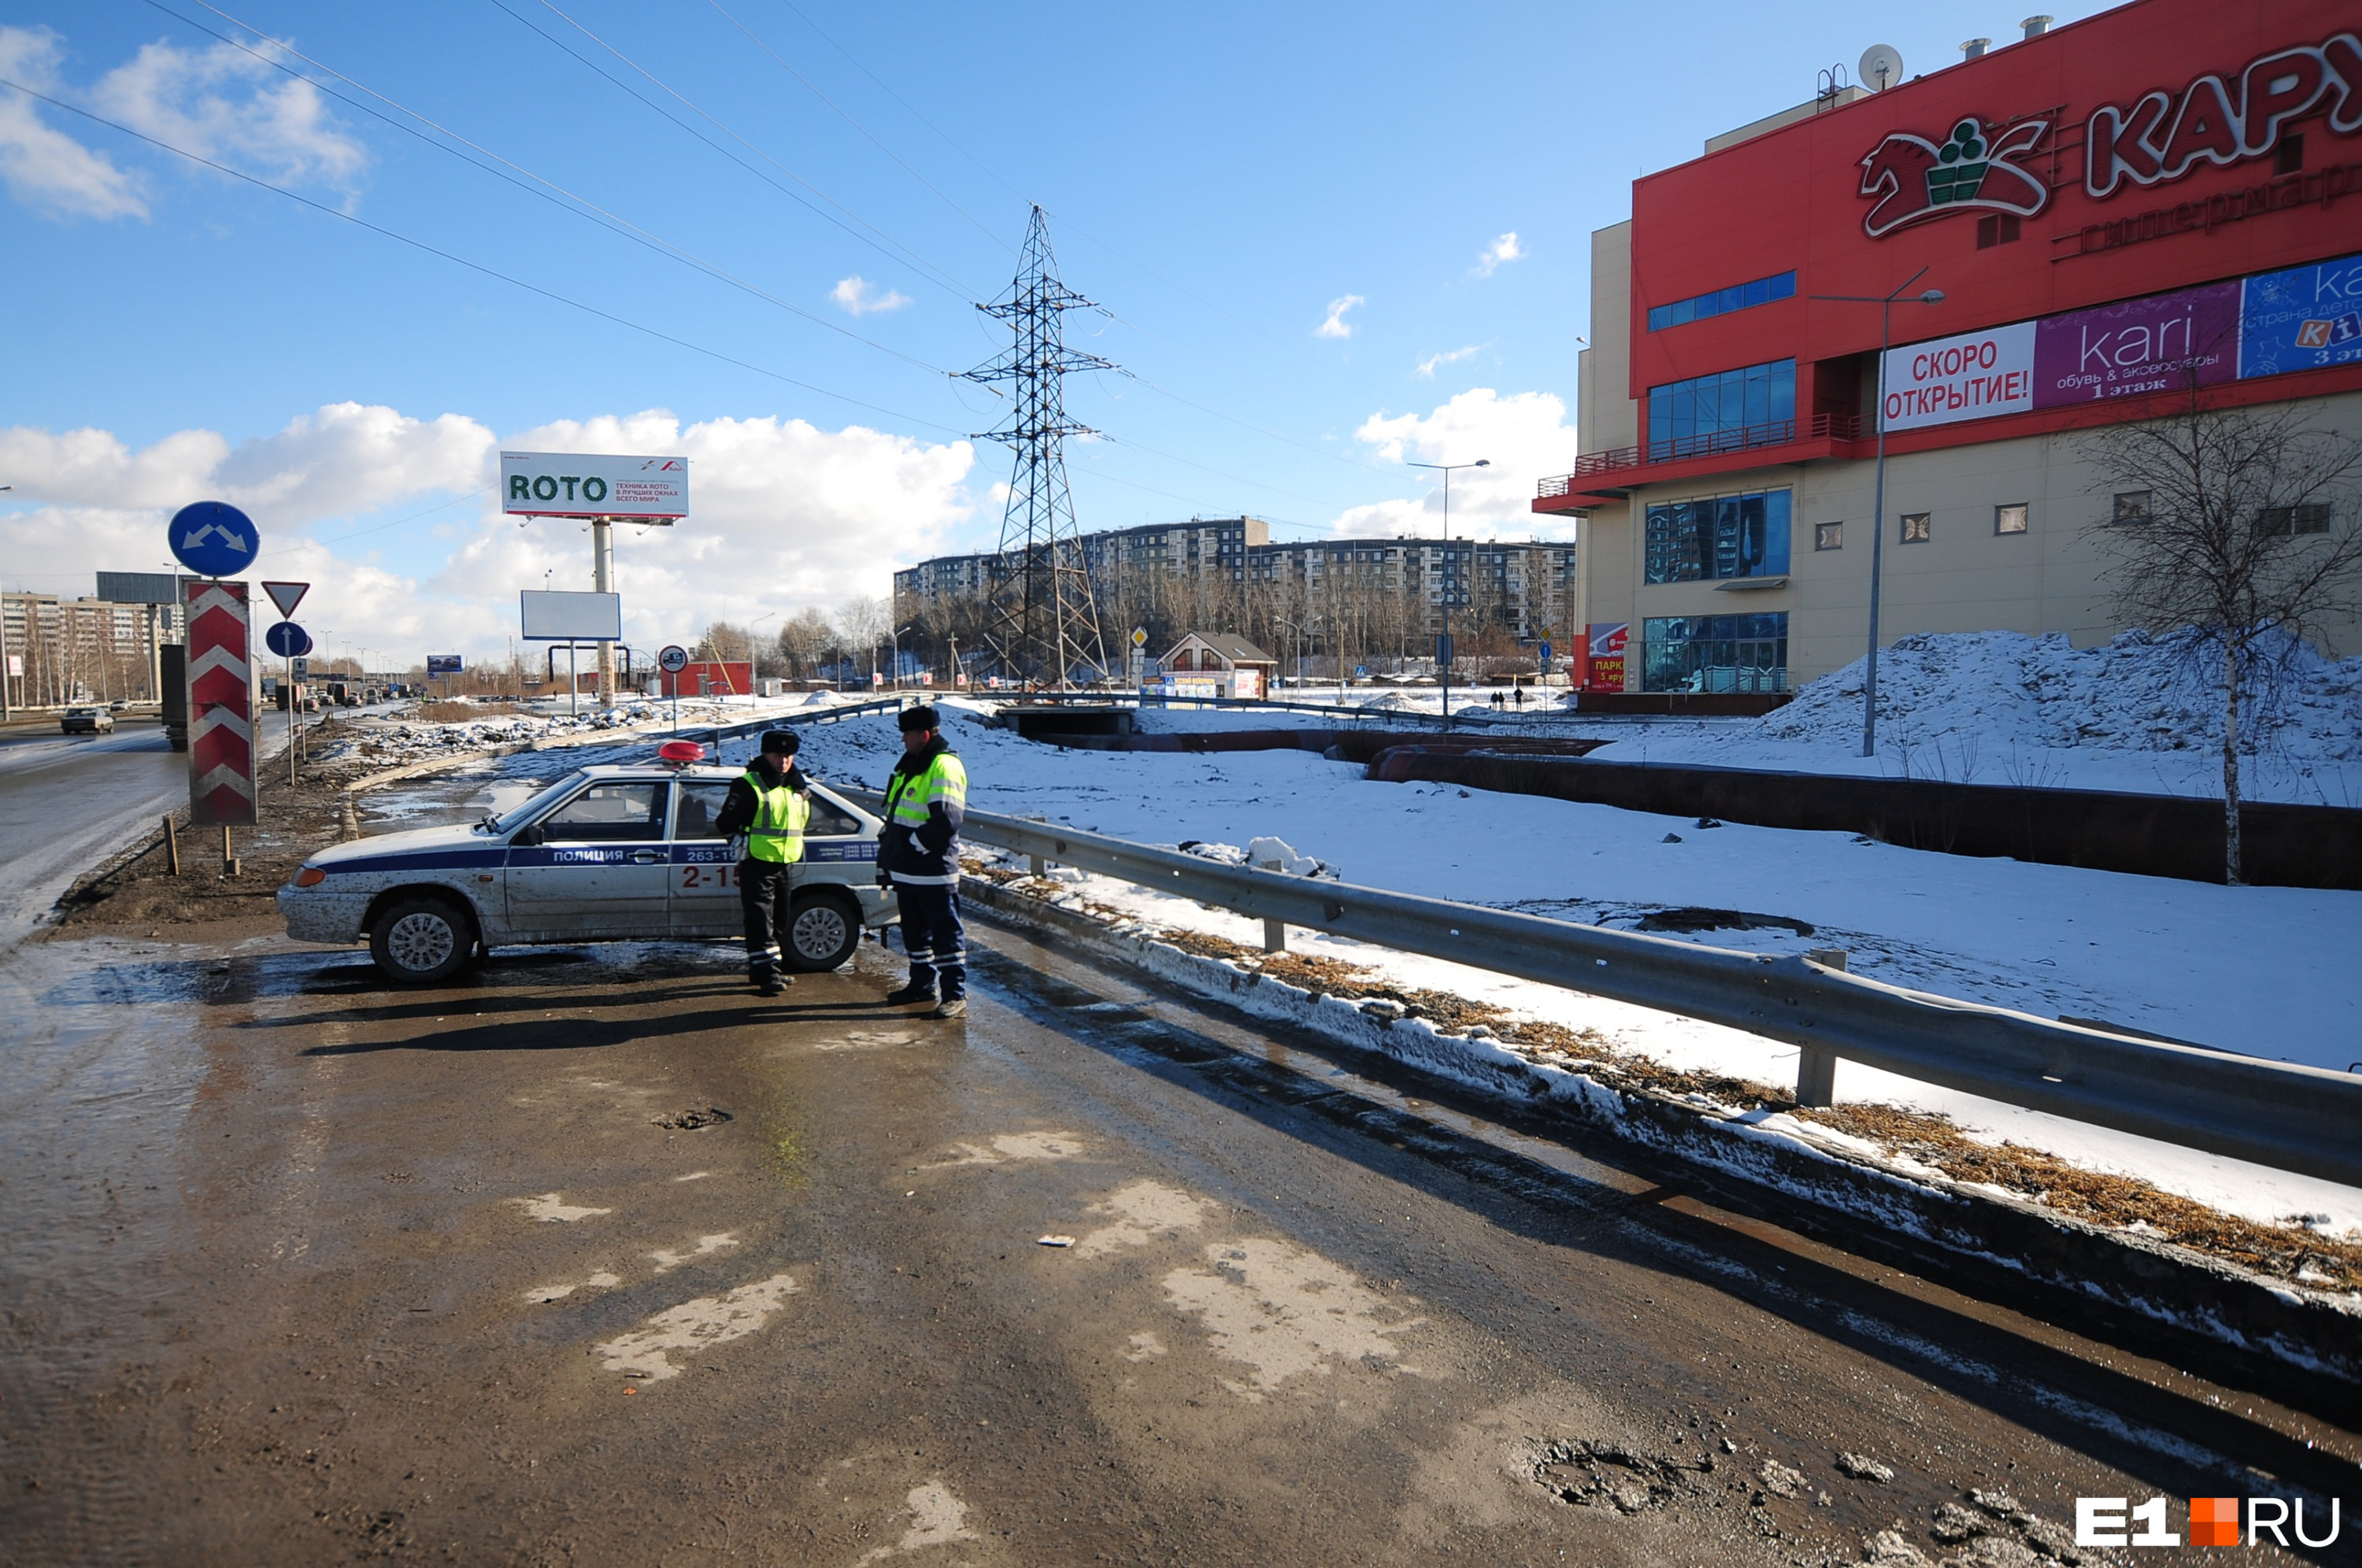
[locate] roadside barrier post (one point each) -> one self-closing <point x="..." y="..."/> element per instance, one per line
<point x="172" y="844"/>
<point x="1816" y="1071"/>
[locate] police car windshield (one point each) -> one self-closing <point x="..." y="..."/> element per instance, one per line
<point x="517" y="816"/>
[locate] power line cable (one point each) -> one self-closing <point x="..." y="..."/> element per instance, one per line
<point x="937" y="275"/>
<point x="614" y="222"/>
<point x="479" y="267"/>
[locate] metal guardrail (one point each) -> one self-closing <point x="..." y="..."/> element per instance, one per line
<point x="2307" y="1120"/>
<point x="715" y="734"/>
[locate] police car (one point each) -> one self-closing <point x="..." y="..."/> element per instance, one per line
<point x="606" y="854"/>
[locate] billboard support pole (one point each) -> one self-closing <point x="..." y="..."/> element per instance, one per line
<point x="602" y="571"/>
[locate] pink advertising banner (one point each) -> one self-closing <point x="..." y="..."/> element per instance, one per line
<point x="2137" y="346"/>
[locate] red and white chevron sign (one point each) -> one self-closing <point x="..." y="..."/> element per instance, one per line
<point x="221" y="707"/>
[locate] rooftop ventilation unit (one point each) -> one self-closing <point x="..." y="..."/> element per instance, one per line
<point x="1975" y="49"/>
<point x="2035" y="26"/>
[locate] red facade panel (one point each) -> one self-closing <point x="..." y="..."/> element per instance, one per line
<point x="2102" y="144"/>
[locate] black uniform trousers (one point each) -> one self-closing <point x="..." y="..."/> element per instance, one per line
<point x="932" y="937"/>
<point x="764" y="886"/>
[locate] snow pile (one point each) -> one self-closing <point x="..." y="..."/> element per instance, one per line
<point x="2138" y="694"/>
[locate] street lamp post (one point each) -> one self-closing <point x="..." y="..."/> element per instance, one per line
<point x="1885" y="303"/>
<point x="1445" y="649"/>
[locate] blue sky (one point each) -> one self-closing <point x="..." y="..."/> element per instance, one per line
<point x="1220" y="178"/>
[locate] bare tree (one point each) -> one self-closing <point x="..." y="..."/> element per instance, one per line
<point x="728" y="644"/>
<point x="2239" y="526"/>
<point x="804" y="641"/>
<point x="862" y="624"/>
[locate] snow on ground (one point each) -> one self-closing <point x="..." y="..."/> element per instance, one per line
<point x="2139" y="714"/>
<point x="2268" y="971"/>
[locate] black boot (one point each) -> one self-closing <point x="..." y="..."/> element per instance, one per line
<point x="909" y="993"/>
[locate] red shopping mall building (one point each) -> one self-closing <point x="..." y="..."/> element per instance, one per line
<point x="2165" y="195"/>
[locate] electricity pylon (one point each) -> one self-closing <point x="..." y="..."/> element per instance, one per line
<point x="1046" y="625"/>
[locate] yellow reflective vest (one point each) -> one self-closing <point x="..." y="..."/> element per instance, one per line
<point x="777" y="834"/>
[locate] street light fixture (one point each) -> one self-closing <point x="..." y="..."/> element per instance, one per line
<point x="1885" y="303"/>
<point x="1444" y="650"/>
<point x="898" y="653"/>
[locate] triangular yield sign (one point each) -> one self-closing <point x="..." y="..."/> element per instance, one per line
<point x="287" y="595"/>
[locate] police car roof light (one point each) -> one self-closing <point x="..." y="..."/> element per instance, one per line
<point x="680" y="753"/>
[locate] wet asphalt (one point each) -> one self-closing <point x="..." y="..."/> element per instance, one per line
<point x="595" y="1257"/>
<point x="66" y="801"/>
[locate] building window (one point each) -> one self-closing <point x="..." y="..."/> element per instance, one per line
<point x="2132" y="506"/>
<point x="1828" y="536"/>
<point x="1729" y="536"/>
<point x="1714" y="653"/>
<point x="2010" y="519"/>
<point x="1722" y="302"/>
<point x="1918" y="527"/>
<point x="2274" y="522"/>
<point x="1754" y="405"/>
<point x="1999" y="228"/>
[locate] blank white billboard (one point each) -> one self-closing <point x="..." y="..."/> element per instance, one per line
<point x="571" y="617"/>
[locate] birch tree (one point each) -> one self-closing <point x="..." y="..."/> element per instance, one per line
<point x="2239" y="526"/>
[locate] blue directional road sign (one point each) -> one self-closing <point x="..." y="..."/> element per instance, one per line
<point x="1546" y="653"/>
<point x="213" y="538"/>
<point x="288" y="640"/>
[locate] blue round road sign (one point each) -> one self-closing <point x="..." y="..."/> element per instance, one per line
<point x="288" y="640"/>
<point x="213" y="538"/>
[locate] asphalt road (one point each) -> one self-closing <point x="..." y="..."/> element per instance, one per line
<point x="304" y="1270"/>
<point x="67" y="801"/>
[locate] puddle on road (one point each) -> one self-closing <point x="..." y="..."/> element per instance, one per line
<point x="937" y="1519"/>
<point x="551" y="1208"/>
<point x="697" y="1325"/>
<point x="667" y="1260"/>
<point x="1013" y="1146"/>
<point x="600" y="1280"/>
<point x="1143" y="1211"/>
<point x="869" y="1040"/>
<point x="1284" y="1311"/>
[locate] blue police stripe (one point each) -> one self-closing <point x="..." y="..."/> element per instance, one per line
<point x="456" y="860"/>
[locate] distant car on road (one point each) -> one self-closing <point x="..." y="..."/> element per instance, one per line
<point x="611" y="854"/>
<point x="87" y="722"/>
<point x="119" y="706"/>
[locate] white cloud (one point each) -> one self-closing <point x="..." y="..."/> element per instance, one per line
<point x="1427" y="367"/>
<point x="858" y="296"/>
<point x="784" y="515"/>
<point x="44" y="168"/>
<point x="1499" y="254"/>
<point x="1337" y="326"/>
<point x="1525" y="435"/>
<point x="224" y="104"/>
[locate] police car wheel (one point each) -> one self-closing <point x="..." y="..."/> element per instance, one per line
<point x="420" y="941"/>
<point x="822" y="933"/>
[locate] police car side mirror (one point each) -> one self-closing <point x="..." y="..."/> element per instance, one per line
<point x="527" y="835"/>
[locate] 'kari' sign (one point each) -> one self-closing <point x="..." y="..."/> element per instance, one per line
<point x="2159" y="344"/>
<point x="1972" y="376"/>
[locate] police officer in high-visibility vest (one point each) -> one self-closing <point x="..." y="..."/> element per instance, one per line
<point x="767" y="807"/>
<point x="918" y="855"/>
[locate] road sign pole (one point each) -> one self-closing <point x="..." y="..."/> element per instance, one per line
<point x="294" y="719"/>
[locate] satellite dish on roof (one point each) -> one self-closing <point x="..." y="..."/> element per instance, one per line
<point x="1881" y="67"/>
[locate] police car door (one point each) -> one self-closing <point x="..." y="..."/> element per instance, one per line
<point x="596" y="864"/>
<point x="704" y="873"/>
